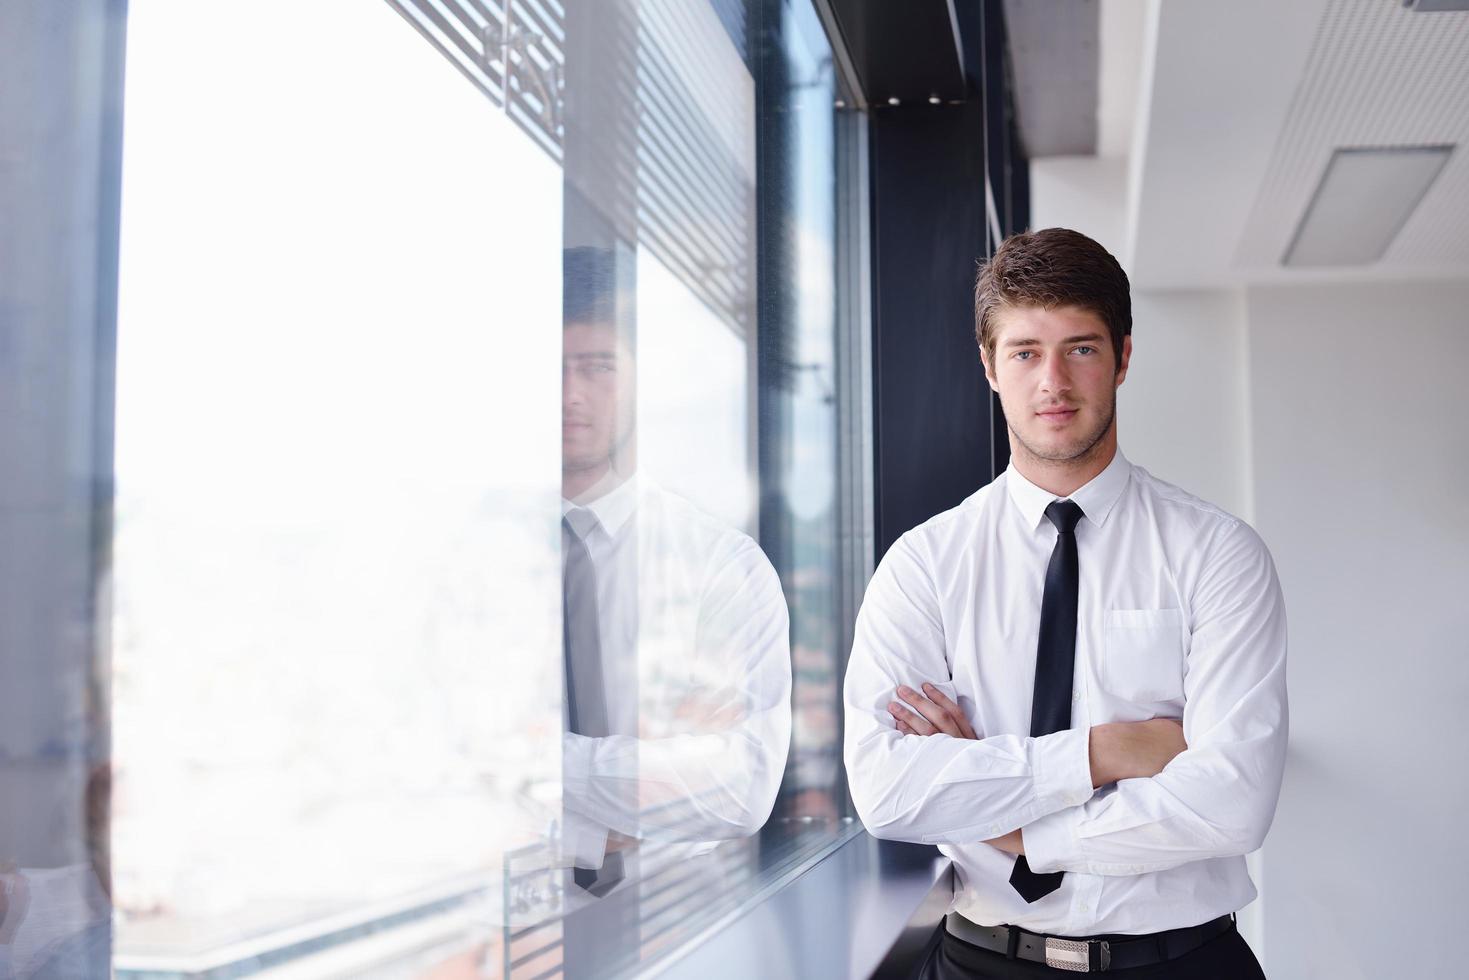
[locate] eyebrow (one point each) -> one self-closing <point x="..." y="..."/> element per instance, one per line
<point x="1033" y="342"/>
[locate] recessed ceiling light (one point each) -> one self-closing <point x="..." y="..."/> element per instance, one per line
<point x="1363" y="201"/>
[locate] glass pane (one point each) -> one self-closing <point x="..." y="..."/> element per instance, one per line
<point x="461" y="594"/>
<point x="336" y="523"/>
<point x="802" y="520"/>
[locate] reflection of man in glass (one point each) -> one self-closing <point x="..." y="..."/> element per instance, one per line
<point x="598" y="383"/>
<point x="677" y="658"/>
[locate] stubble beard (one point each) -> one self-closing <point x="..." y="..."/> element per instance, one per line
<point x="1089" y="444"/>
<point x="604" y="457"/>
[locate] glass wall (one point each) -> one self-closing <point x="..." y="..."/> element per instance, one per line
<point x="458" y="581"/>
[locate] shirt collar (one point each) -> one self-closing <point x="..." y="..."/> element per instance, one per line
<point x="1095" y="499"/>
<point x="612" y="499"/>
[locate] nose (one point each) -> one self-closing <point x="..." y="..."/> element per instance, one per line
<point x="571" y="387"/>
<point x="1055" y="376"/>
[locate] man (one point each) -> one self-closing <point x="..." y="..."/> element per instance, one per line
<point x="677" y="651"/>
<point x="1074" y="681"/>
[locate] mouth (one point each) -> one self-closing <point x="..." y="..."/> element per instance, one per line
<point x="1057" y="416"/>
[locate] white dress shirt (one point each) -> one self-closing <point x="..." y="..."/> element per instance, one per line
<point x="697" y="669"/>
<point x="1179" y="616"/>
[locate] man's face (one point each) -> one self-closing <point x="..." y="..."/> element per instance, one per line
<point x="1057" y="378"/>
<point x="598" y="395"/>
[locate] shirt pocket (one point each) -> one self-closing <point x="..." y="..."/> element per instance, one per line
<point x="1142" y="654"/>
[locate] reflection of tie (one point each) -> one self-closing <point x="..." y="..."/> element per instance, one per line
<point x="1055" y="662"/>
<point x="586" y="697"/>
<point x="586" y="693"/>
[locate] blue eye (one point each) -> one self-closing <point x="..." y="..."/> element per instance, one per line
<point x="1086" y="350"/>
<point x="1023" y="355"/>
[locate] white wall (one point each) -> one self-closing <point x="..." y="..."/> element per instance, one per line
<point x="1182" y="412"/>
<point x="1361" y="465"/>
<point x="1333" y="419"/>
<point x="1087" y="194"/>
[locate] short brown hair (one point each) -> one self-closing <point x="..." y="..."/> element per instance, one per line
<point x="1052" y="268"/>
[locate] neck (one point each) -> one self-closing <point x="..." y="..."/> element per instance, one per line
<point x="1063" y="477"/>
<point x="576" y="482"/>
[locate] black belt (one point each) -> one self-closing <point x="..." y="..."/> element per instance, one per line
<point x="1087" y="955"/>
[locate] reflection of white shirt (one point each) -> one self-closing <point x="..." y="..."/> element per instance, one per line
<point x="55" y="905"/>
<point x="693" y="620"/>
<point x="1179" y="615"/>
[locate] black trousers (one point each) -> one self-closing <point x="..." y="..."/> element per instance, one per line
<point x="1226" y="956"/>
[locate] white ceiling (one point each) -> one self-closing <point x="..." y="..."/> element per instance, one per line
<point x="1241" y="106"/>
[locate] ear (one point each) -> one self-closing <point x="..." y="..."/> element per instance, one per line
<point x="989" y="370"/>
<point x="1126" y="358"/>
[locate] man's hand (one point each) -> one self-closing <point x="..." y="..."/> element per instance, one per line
<point x="938" y="713"/>
<point x="1117" y="750"/>
<point x="1133" y="749"/>
<point x="929" y="715"/>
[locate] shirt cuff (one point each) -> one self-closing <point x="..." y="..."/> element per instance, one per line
<point x="1062" y="768"/>
<point x="583" y="842"/>
<point x="1063" y="781"/>
<point x="1052" y="843"/>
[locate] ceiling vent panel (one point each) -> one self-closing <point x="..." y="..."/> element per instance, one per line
<point x="1364" y="199"/>
<point x="1378" y="76"/>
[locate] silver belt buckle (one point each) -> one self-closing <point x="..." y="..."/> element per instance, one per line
<point x="1073" y="955"/>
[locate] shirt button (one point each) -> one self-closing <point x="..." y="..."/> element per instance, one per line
<point x="1083" y="907"/>
<point x="1075" y="696"/>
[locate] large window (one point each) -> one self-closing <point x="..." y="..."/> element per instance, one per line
<point x="467" y="590"/>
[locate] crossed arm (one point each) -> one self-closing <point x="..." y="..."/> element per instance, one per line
<point x="1173" y="803"/>
<point x="1118" y="750"/>
<point x="708" y="765"/>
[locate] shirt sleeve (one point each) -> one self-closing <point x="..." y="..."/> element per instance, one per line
<point x="709" y="761"/>
<point x="1216" y="798"/>
<point x="938" y="789"/>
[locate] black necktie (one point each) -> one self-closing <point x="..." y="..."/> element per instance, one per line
<point x="586" y="692"/>
<point x="1055" y="663"/>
